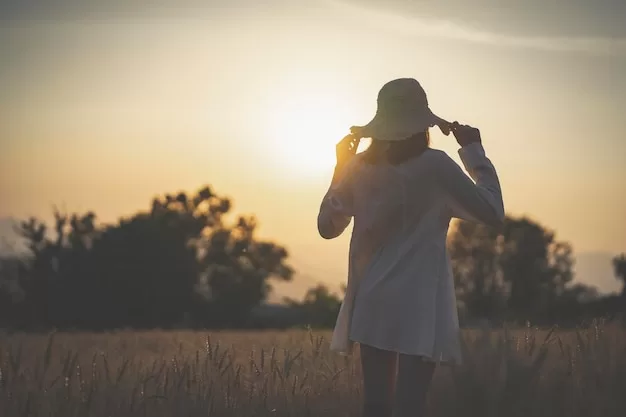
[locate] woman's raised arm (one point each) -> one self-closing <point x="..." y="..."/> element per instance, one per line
<point x="336" y="208"/>
<point x="479" y="201"/>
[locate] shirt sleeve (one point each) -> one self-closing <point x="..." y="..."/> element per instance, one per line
<point x="479" y="200"/>
<point x="336" y="210"/>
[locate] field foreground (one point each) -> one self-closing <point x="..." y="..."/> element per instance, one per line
<point x="527" y="372"/>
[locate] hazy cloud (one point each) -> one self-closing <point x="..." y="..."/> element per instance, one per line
<point x="448" y="29"/>
<point x="45" y="10"/>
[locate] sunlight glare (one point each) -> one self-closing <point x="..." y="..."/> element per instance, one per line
<point x="305" y="129"/>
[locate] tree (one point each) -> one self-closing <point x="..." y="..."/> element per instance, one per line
<point x="151" y="269"/>
<point x="319" y="308"/>
<point x="236" y="271"/>
<point x="536" y="266"/>
<point x="8" y="288"/>
<point x="474" y="250"/>
<point x="54" y="262"/>
<point x="619" y="265"/>
<point x="519" y="272"/>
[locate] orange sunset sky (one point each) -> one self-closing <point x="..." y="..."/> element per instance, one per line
<point x="106" y="104"/>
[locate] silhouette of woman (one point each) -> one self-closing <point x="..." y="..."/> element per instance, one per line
<point x="400" y="304"/>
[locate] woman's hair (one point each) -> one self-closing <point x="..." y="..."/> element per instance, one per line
<point x="396" y="153"/>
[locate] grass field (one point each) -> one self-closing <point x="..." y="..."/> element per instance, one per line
<point x="525" y="372"/>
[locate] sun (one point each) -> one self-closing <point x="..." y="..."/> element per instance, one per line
<point x="304" y="130"/>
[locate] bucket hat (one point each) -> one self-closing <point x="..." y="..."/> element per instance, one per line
<point x="402" y="111"/>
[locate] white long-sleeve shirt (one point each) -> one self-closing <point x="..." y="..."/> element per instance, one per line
<point x="400" y="292"/>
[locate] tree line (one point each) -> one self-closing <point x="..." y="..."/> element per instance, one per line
<point x="521" y="272"/>
<point x="188" y="261"/>
<point x="180" y="261"/>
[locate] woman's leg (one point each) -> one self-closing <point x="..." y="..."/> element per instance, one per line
<point x="414" y="377"/>
<point x="379" y="375"/>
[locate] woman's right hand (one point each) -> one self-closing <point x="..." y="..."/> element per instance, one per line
<point x="465" y="134"/>
<point x="346" y="149"/>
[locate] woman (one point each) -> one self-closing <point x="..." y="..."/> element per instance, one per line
<point x="400" y="304"/>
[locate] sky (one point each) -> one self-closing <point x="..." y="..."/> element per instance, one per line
<point x="104" y="105"/>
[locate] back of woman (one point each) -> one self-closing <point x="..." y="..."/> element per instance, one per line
<point x="400" y="302"/>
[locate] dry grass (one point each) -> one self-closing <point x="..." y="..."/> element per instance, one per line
<point x="526" y="372"/>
